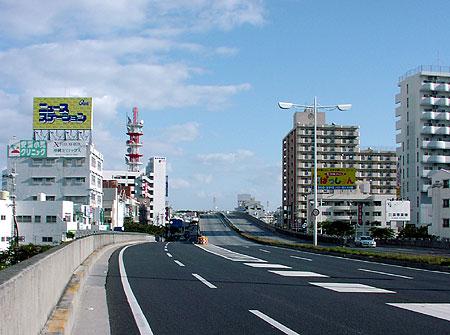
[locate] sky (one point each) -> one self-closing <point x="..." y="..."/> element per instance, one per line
<point x="207" y="75"/>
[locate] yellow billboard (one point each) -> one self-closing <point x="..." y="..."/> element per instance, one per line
<point x="62" y="113"/>
<point x="336" y="178"/>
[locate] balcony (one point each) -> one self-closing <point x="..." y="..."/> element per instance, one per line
<point x="398" y="98"/>
<point x="426" y="173"/>
<point x="425" y="188"/>
<point x="398" y="124"/>
<point x="435" y="87"/>
<point x="436" y="159"/>
<point x="435" y="101"/>
<point x="434" y="130"/>
<point x="435" y="145"/>
<point x="435" y="116"/>
<point x="398" y="111"/>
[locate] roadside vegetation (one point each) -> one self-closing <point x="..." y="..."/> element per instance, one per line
<point x="131" y="226"/>
<point x="14" y="255"/>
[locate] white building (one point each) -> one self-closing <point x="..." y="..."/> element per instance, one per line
<point x="423" y="114"/>
<point x="363" y="210"/>
<point x="337" y="147"/>
<point x="6" y="220"/>
<point x="78" y="179"/>
<point x="45" y="222"/>
<point x="439" y="192"/>
<point x="248" y="204"/>
<point x="149" y="186"/>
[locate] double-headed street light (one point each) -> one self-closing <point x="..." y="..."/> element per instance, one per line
<point x="315" y="107"/>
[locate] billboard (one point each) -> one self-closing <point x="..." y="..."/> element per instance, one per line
<point x="27" y="148"/>
<point x="67" y="148"/>
<point x="336" y="178"/>
<point x="398" y="210"/>
<point x="62" y="113"/>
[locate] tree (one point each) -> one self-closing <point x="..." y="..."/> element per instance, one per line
<point x="339" y="228"/>
<point x="411" y="231"/>
<point x="131" y="226"/>
<point x="382" y="232"/>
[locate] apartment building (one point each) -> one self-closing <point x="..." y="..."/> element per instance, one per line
<point x="337" y="147"/>
<point x="423" y="140"/>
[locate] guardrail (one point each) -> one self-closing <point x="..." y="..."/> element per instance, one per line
<point x="30" y="290"/>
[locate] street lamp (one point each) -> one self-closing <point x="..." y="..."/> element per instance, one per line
<point x="315" y="107"/>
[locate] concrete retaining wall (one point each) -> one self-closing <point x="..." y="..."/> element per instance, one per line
<point x="30" y="290"/>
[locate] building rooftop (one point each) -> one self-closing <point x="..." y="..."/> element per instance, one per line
<point x="425" y="68"/>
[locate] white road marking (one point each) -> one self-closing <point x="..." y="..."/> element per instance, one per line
<point x="179" y="263"/>
<point x="169" y="254"/>
<point x="385" y="273"/>
<point x="139" y="317"/>
<point x="441" y="311"/>
<point x="273" y="322"/>
<point x="351" y="288"/>
<point x="297" y="274"/>
<point x="267" y="251"/>
<point x="267" y="265"/>
<point x="204" y="281"/>
<point x="228" y="254"/>
<point x="302" y="258"/>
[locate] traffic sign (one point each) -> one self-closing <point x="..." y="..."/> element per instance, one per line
<point x="315" y="212"/>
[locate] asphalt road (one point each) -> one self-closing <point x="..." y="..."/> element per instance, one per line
<point x="232" y="286"/>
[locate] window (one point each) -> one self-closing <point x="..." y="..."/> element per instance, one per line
<point x="37" y="218"/>
<point x="446" y="203"/>
<point x="50" y="219"/>
<point x="3" y="217"/>
<point x="446" y="223"/>
<point x="93" y="162"/>
<point x="99" y="165"/>
<point x="23" y="218"/>
<point x="50" y="198"/>
<point x="446" y="183"/>
<point x="47" y="239"/>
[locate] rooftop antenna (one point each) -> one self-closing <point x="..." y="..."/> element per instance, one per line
<point x="134" y="131"/>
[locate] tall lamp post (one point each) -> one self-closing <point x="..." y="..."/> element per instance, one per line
<point x="315" y="107"/>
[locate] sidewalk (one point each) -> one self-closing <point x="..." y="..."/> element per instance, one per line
<point x="92" y="315"/>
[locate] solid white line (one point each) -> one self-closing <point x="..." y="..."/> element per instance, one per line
<point x="204" y="281"/>
<point x="302" y="258"/>
<point x="169" y="254"/>
<point x="273" y="322"/>
<point x="385" y="273"/>
<point x="179" y="263"/>
<point x="139" y="317"/>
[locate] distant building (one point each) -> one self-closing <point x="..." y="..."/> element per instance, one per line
<point x="147" y="188"/>
<point x="6" y="220"/>
<point x="337" y="147"/>
<point x="439" y="192"/>
<point x="362" y="210"/>
<point x="423" y="114"/>
<point x="248" y="204"/>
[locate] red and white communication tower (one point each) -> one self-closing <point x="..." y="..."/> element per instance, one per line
<point x="134" y="130"/>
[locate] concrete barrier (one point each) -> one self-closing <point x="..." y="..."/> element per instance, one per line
<point x="30" y="290"/>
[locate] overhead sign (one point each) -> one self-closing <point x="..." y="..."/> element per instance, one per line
<point x="398" y="210"/>
<point x="66" y="148"/>
<point x="62" y="113"/>
<point x="336" y="178"/>
<point x="27" y="148"/>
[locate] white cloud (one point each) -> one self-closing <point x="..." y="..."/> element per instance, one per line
<point x="203" y="179"/>
<point x="224" y="158"/>
<point x="179" y="183"/>
<point x="187" y="132"/>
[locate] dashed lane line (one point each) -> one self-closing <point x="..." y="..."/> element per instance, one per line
<point x="273" y="322"/>
<point x="302" y="258"/>
<point x="179" y="263"/>
<point x="441" y="311"/>
<point x="204" y="281"/>
<point x="386" y="273"/>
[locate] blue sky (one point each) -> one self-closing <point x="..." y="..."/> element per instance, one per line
<point x="207" y="76"/>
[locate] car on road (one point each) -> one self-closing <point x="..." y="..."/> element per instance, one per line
<point x="365" y="241"/>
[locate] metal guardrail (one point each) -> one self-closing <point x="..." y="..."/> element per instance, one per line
<point x="425" y="68"/>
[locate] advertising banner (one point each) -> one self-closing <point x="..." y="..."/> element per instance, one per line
<point x="62" y="113"/>
<point x="336" y="178"/>
<point x="67" y="148"/>
<point x="27" y="148"/>
<point x="398" y="210"/>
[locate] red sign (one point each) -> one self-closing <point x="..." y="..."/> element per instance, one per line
<point x="360" y="214"/>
